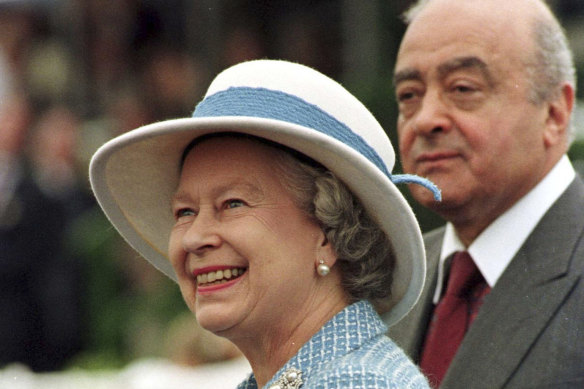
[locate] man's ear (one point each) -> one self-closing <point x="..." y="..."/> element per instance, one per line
<point x="558" y="117"/>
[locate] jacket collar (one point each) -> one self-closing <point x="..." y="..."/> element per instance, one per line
<point x="335" y="339"/>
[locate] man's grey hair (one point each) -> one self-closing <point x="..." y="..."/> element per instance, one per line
<point x="551" y="65"/>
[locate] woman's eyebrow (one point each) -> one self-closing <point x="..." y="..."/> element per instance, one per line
<point x="179" y="197"/>
<point x="250" y="189"/>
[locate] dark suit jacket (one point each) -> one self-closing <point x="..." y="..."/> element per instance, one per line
<point x="529" y="332"/>
<point x="39" y="290"/>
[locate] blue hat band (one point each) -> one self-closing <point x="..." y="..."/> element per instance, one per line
<point x="270" y="104"/>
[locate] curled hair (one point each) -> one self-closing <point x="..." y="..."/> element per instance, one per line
<point x="364" y="253"/>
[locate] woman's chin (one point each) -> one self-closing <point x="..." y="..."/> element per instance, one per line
<point x="214" y="320"/>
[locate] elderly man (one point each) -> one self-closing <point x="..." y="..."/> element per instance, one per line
<point x="485" y="91"/>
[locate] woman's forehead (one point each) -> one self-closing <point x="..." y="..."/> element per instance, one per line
<point x="228" y="164"/>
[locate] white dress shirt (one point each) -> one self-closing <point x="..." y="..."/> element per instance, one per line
<point x="494" y="248"/>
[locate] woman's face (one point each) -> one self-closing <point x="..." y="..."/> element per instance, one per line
<point x="243" y="252"/>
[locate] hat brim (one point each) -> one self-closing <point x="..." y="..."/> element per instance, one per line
<point x="135" y="175"/>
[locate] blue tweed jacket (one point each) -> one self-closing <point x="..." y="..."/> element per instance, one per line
<point x="350" y="351"/>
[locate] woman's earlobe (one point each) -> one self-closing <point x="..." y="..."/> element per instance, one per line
<point x="322" y="269"/>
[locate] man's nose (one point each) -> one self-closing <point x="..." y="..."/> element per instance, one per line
<point x="433" y="116"/>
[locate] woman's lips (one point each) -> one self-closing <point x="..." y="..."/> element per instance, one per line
<point x="217" y="277"/>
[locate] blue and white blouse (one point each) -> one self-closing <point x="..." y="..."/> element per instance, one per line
<point x="350" y="351"/>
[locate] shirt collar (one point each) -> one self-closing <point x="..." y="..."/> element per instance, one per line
<point x="345" y="332"/>
<point x="495" y="247"/>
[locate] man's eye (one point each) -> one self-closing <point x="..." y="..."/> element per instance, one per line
<point x="405" y="96"/>
<point x="463" y="89"/>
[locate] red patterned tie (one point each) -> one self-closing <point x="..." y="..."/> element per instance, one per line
<point x="452" y="316"/>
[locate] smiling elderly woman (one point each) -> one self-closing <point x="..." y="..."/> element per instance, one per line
<point x="286" y="233"/>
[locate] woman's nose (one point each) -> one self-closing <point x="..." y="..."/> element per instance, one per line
<point x="432" y="117"/>
<point x="203" y="233"/>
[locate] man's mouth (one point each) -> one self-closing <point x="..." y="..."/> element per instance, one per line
<point x="436" y="156"/>
<point x="219" y="276"/>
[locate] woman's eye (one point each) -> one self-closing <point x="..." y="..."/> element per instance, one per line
<point x="234" y="203"/>
<point x="184" y="212"/>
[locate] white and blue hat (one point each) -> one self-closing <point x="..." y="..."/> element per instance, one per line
<point x="135" y="175"/>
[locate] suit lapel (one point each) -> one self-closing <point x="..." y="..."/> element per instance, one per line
<point x="524" y="299"/>
<point x="409" y="333"/>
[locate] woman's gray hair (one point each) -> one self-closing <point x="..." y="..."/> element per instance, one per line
<point x="551" y="64"/>
<point x="364" y="252"/>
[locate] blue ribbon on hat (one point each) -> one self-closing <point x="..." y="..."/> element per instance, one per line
<point x="271" y="104"/>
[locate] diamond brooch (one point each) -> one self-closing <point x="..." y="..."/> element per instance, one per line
<point x="290" y="379"/>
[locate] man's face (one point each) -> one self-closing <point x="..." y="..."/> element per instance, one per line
<point x="465" y="121"/>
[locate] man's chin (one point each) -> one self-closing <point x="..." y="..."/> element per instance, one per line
<point x="424" y="196"/>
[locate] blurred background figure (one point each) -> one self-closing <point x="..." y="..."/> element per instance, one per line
<point x="39" y="324"/>
<point x="54" y="160"/>
<point x="75" y="73"/>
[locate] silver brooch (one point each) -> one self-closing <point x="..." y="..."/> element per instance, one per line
<point x="290" y="379"/>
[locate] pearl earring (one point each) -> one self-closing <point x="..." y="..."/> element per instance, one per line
<point x="322" y="269"/>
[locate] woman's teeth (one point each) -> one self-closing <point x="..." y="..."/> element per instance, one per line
<point x="219" y="276"/>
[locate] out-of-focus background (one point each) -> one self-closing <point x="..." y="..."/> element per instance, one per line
<point x="78" y="307"/>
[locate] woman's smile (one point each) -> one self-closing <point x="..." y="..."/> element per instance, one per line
<point x="209" y="278"/>
<point x="234" y="214"/>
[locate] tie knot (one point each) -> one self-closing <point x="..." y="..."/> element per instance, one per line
<point x="464" y="274"/>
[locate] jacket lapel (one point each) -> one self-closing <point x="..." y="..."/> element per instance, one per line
<point x="409" y="333"/>
<point x="524" y="299"/>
